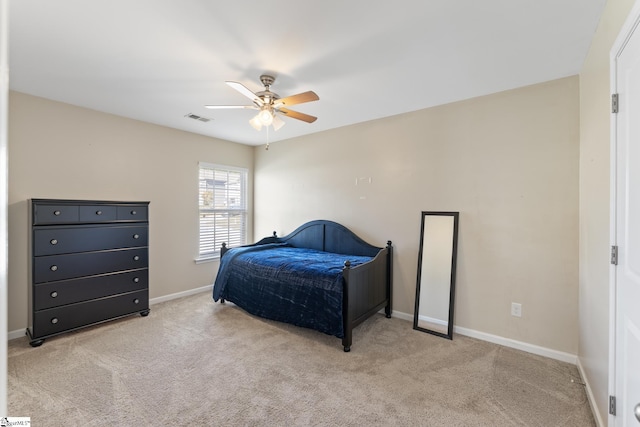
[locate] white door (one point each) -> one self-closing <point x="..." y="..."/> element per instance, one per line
<point x="627" y="227"/>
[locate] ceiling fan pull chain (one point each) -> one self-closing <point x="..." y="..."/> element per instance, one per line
<point x="267" y="146"/>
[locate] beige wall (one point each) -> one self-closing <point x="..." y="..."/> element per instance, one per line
<point x="594" y="204"/>
<point x="61" y="151"/>
<point x="508" y="162"/>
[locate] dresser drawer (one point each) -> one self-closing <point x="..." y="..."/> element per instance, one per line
<point x="72" y="316"/>
<point x="55" y="214"/>
<point x="54" y="294"/>
<point x="133" y="213"/>
<point x="61" y="267"/>
<point x="62" y="240"/>
<point x="98" y="213"/>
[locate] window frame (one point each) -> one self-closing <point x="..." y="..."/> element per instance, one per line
<point x="242" y="209"/>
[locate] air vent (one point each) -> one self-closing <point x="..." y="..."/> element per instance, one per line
<point x="196" y="117"/>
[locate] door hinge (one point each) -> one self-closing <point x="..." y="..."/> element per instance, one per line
<point x="614" y="103"/>
<point x="612" y="405"/>
<point x="614" y="255"/>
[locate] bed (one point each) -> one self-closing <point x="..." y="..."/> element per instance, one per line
<point x="320" y="276"/>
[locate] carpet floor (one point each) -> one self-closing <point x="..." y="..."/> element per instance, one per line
<point x="193" y="362"/>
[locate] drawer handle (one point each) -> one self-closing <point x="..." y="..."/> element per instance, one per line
<point x="136" y="258"/>
<point x="136" y="236"/>
<point x="136" y="301"/>
<point x="98" y="212"/>
<point x="53" y="268"/>
<point x="134" y="213"/>
<point x="54" y="242"/>
<point x="54" y="294"/>
<point x="136" y="279"/>
<point x="56" y="213"/>
<point x="54" y="320"/>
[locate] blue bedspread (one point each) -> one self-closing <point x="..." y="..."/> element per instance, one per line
<point x="280" y="282"/>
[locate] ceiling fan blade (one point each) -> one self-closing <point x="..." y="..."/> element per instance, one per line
<point x="297" y="115"/>
<point x="246" y="92"/>
<point x="297" y="99"/>
<point x="219" y="107"/>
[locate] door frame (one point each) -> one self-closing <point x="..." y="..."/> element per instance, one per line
<point x="4" y="113"/>
<point x="630" y="25"/>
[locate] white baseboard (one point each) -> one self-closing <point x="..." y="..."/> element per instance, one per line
<point x="518" y="345"/>
<point x="16" y="334"/>
<point x="177" y="295"/>
<point x="401" y="315"/>
<point x="590" y="397"/>
<point x="209" y="288"/>
<point x="507" y="342"/>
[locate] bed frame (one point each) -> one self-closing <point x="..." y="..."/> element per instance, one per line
<point x="367" y="287"/>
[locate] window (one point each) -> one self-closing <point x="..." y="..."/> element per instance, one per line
<point x="222" y="208"/>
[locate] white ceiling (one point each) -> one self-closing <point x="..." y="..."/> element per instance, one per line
<point x="157" y="60"/>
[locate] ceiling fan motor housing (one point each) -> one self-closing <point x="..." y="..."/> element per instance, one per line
<point x="266" y="95"/>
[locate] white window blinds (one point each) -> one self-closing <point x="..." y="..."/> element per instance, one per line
<point x="222" y="208"/>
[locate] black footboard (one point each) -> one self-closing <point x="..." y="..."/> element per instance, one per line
<point x="367" y="289"/>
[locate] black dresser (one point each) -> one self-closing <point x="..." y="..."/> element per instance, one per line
<point x="89" y="264"/>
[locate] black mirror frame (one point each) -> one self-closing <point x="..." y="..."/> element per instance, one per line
<point x="452" y="285"/>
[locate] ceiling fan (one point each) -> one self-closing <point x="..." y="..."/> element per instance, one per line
<point x="269" y="104"/>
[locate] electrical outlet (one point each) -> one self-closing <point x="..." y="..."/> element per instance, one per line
<point x="516" y="309"/>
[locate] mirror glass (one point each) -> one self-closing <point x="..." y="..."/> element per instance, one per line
<point x="435" y="287"/>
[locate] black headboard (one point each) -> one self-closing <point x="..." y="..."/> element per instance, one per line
<point x="329" y="236"/>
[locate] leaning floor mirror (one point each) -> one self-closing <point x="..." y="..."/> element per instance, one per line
<point x="435" y="287"/>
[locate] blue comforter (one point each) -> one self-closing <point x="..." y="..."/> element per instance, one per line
<point x="280" y="282"/>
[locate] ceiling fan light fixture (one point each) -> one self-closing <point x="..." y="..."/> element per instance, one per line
<point x="277" y="122"/>
<point x="265" y="116"/>
<point x="256" y="123"/>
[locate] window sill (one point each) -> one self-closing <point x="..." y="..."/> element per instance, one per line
<point x="208" y="258"/>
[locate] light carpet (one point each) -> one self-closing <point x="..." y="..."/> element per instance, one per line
<point x="193" y="362"/>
